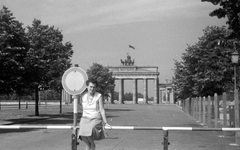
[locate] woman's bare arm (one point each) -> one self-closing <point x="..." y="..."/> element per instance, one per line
<point x="102" y="111"/>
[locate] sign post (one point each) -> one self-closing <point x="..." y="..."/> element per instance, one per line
<point x="73" y="82"/>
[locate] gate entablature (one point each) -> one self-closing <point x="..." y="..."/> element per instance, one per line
<point x="132" y="72"/>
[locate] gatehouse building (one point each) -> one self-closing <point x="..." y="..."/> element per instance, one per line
<point x="128" y="71"/>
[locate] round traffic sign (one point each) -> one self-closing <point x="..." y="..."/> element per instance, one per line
<point x="73" y="80"/>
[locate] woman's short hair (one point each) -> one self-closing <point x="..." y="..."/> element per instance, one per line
<point x="93" y="81"/>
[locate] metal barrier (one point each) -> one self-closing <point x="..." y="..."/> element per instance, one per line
<point x="165" y="129"/>
<point x="33" y="127"/>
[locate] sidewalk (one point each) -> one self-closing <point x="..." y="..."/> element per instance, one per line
<point x="123" y="115"/>
<point x="10" y="114"/>
<point x="157" y="116"/>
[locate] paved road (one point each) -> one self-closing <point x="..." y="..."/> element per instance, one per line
<point x="118" y="115"/>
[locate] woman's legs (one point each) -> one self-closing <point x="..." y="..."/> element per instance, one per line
<point x="92" y="144"/>
<point x="88" y="144"/>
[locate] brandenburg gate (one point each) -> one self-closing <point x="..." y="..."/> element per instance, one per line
<point x="128" y="71"/>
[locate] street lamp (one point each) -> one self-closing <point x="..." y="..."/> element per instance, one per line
<point x="235" y="56"/>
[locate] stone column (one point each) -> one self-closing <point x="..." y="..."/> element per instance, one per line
<point x="167" y="97"/>
<point x="135" y="91"/>
<point x="66" y="97"/>
<point x="160" y="96"/>
<point x="171" y="98"/>
<point x="156" y="91"/>
<point x="112" y="97"/>
<point x="121" y="91"/>
<point x="63" y="96"/>
<point x="145" y="91"/>
<point x="109" y="98"/>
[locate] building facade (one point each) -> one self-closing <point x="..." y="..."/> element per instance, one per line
<point x="136" y="73"/>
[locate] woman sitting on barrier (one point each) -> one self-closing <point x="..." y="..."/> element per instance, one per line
<point x="93" y="117"/>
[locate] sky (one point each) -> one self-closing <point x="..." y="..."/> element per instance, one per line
<point x="102" y="30"/>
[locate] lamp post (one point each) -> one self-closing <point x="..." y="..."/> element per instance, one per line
<point x="235" y="57"/>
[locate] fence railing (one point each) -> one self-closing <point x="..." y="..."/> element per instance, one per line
<point x="215" y="111"/>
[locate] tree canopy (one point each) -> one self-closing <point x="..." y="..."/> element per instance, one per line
<point x="47" y="57"/>
<point x="104" y="77"/>
<point x="13" y="49"/>
<point x="31" y="57"/>
<point x="206" y="67"/>
<point x="231" y="10"/>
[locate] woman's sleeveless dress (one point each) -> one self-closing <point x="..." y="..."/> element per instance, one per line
<point x="91" y="121"/>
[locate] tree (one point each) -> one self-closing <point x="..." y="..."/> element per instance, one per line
<point x="206" y="67"/>
<point x="183" y="80"/>
<point x="47" y="58"/>
<point x="31" y="59"/>
<point x="116" y="95"/>
<point x="13" y="44"/>
<point x="231" y="10"/>
<point x="139" y="95"/>
<point x="104" y="77"/>
<point x="128" y="96"/>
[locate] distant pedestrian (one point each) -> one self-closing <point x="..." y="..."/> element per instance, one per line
<point x="93" y="117"/>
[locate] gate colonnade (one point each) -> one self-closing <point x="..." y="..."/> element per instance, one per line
<point x="136" y="73"/>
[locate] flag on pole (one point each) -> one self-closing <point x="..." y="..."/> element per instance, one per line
<point x="130" y="46"/>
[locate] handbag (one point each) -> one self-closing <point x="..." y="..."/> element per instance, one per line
<point x="99" y="133"/>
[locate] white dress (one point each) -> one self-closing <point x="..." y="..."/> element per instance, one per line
<point x="91" y="121"/>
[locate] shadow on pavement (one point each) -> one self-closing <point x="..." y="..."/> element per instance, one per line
<point x="192" y="125"/>
<point x="111" y="110"/>
<point x="43" y="119"/>
<point x="50" y="119"/>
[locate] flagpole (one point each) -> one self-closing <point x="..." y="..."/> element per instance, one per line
<point x="132" y="47"/>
